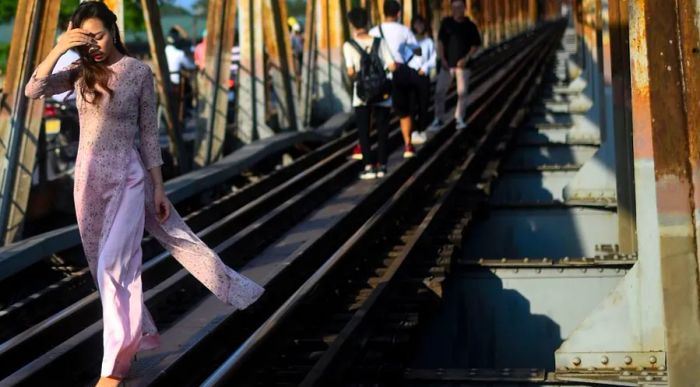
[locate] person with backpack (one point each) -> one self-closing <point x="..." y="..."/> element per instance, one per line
<point x="367" y="60"/>
<point x="406" y="53"/>
<point x="458" y="40"/>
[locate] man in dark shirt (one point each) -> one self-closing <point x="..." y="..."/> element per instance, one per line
<point x="458" y="40"/>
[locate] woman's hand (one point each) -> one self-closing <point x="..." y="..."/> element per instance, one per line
<point x="162" y="204"/>
<point x="75" y="37"/>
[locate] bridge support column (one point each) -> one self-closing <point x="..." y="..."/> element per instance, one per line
<point x="21" y="118"/>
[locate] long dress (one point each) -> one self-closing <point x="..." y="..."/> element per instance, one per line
<point x="114" y="201"/>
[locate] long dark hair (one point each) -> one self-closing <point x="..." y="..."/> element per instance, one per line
<point x="96" y="73"/>
<point x="427" y="31"/>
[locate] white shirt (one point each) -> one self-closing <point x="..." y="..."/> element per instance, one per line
<point x="352" y="61"/>
<point x="67" y="58"/>
<point x="428" y="59"/>
<point x="177" y="61"/>
<point x="400" y="40"/>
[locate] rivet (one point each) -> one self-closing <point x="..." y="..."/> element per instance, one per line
<point x="533" y="374"/>
<point x="618" y="369"/>
<point x="649" y="378"/>
<point x="652" y="359"/>
<point x="626" y="373"/>
<point x="591" y="368"/>
<point x="604" y="359"/>
<point x="584" y="270"/>
<point x="538" y="270"/>
<point x="600" y="270"/>
<point x="644" y="373"/>
<point x="526" y="260"/>
<point x="576" y="361"/>
<point x="544" y="260"/>
<point x="516" y="270"/>
<point x="662" y="368"/>
<point x="504" y="260"/>
<point x="561" y="270"/>
<point x="640" y="368"/>
<point x="628" y="360"/>
<point x="566" y="259"/>
<point x="563" y="368"/>
<point x="665" y="378"/>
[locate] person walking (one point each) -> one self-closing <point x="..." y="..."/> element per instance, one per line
<point x="367" y="59"/>
<point x="427" y="63"/>
<point x="405" y="79"/>
<point x="118" y="188"/>
<point x="458" y="40"/>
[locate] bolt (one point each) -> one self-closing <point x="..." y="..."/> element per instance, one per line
<point x="628" y="360"/>
<point x="652" y="359"/>
<point x="604" y="359"/>
<point x="576" y="361"/>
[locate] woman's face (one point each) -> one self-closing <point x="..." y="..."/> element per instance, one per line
<point x="419" y="27"/>
<point x="101" y="34"/>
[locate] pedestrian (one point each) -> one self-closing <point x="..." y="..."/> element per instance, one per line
<point x="367" y="60"/>
<point x="405" y="79"/>
<point x="428" y="59"/>
<point x="118" y="188"/>
<point x="458" y="40"/>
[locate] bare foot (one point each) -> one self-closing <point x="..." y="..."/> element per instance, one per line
<point x="108" y="381"/>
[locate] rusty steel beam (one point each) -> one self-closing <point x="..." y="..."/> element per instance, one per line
<point x="308" y="66"/>
<point x="532" y="12"/>
<point x="156" y="42"/>
<point x="21" y="119"/>
<point x="221" y="28"/>
<point x="622" y="118"/>
<point x="330" y="92"/>
<point x="281" y="62"/>
<point x="251" y="116"/>
<point x="666" y="118"/>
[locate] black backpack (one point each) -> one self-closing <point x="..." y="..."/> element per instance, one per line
<point x="372" y="83"/>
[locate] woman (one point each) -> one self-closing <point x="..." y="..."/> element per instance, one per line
<point x="427" y="67"/>
<point x="119" y="190"/>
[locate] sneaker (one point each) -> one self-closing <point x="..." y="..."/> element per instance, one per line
<point x="409" y="151"/>
<point x="368" y="173"/>
<point x="381" y="171"/>
<point x="418" y="138"/>
<point x="436" y="125"/>
<point x="460" y="124"/>
<point x="357" y="152"/>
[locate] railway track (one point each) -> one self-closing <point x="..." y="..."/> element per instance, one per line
<point x="351" y="322"/>
<point x="47" y="337"/>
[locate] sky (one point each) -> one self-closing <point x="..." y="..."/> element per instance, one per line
<point x="185" y="3"/>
